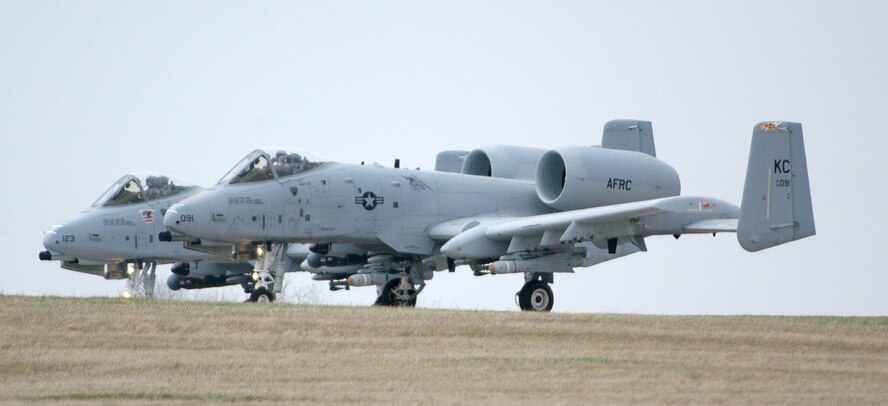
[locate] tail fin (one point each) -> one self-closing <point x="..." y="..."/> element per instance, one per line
<point x="776" y="206"/>
<point x="450" y="161"/>
<point x="629" y="135"/>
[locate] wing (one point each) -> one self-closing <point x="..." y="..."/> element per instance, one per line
<point x="605" y="227"/>
<point x="636" y="220"/>
<point x="670" y="215"/>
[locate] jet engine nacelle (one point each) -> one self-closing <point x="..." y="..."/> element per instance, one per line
<point x="571" y="178"/>
<point x="503" y="161"/>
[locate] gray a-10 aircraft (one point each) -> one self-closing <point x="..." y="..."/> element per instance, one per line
<point x="510" y="210"/>
<point x="115" y="238"/>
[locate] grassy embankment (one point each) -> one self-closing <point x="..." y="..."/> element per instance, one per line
<point x="110" y="350"/>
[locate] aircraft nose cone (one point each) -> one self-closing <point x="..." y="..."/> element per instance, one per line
<point x="193" y="217"/>
<point x="180" y="220"/>
<point x="50" y="237"/>
<point x="171" y="218"/>
<point x="49" y="242"/>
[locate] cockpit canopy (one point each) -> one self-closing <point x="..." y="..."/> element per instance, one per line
<point x="142" y="187"/>
<point x="272" y="163"/>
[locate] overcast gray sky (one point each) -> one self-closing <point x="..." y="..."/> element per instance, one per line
<point x="92" y="90"/>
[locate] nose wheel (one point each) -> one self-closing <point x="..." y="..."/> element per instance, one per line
<point x="536" y="296"/>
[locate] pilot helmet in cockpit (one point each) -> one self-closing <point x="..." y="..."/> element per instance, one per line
<point x="281" y="164"/>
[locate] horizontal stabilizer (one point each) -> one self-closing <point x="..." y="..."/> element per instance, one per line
<point x="712" y="226"/>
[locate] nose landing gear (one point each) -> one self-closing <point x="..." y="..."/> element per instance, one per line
<point x="140" y="280"/>
<point x="268" y="273"/>
<point x="261" y="295"/>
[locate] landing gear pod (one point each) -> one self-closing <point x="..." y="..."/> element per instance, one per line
<point x="115" y="272"/>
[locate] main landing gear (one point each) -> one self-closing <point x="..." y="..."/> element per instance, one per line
<point x="390" y="295"/>
<point x="402" y="291"/>
<point x="536" y="295"/>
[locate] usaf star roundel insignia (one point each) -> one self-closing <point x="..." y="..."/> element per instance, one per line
<point x="369" y="200"/>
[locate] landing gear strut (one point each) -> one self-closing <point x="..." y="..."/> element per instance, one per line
<point x="140" y="280"/>
<point x="268" y="273"/>
<point x="536" y="295"/>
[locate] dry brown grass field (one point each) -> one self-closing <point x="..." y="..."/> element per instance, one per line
<point x="141" y="351"/>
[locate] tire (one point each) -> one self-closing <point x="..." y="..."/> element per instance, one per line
<point x="385" y="297"/>
<point x="388" y="298"/>
<point x="536" y="296"/>
<point x="261" y="295"/>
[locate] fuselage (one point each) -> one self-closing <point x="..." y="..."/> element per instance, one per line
<point x="339" y="202"/>
<point x="119" y="233"/>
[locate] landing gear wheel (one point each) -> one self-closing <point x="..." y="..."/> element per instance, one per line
<point x="389" y="298"/>
<point x="261" y="295"/>
<point x="536" y="296"/>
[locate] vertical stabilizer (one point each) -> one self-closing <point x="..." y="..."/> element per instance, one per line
<point x="776" y="206"/>
<point x="629" y="135"/>
<point x="450" y="161"/>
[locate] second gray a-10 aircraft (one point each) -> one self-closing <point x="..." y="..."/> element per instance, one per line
<point x="115" y="238"/>
<point x="508" y="210"/>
